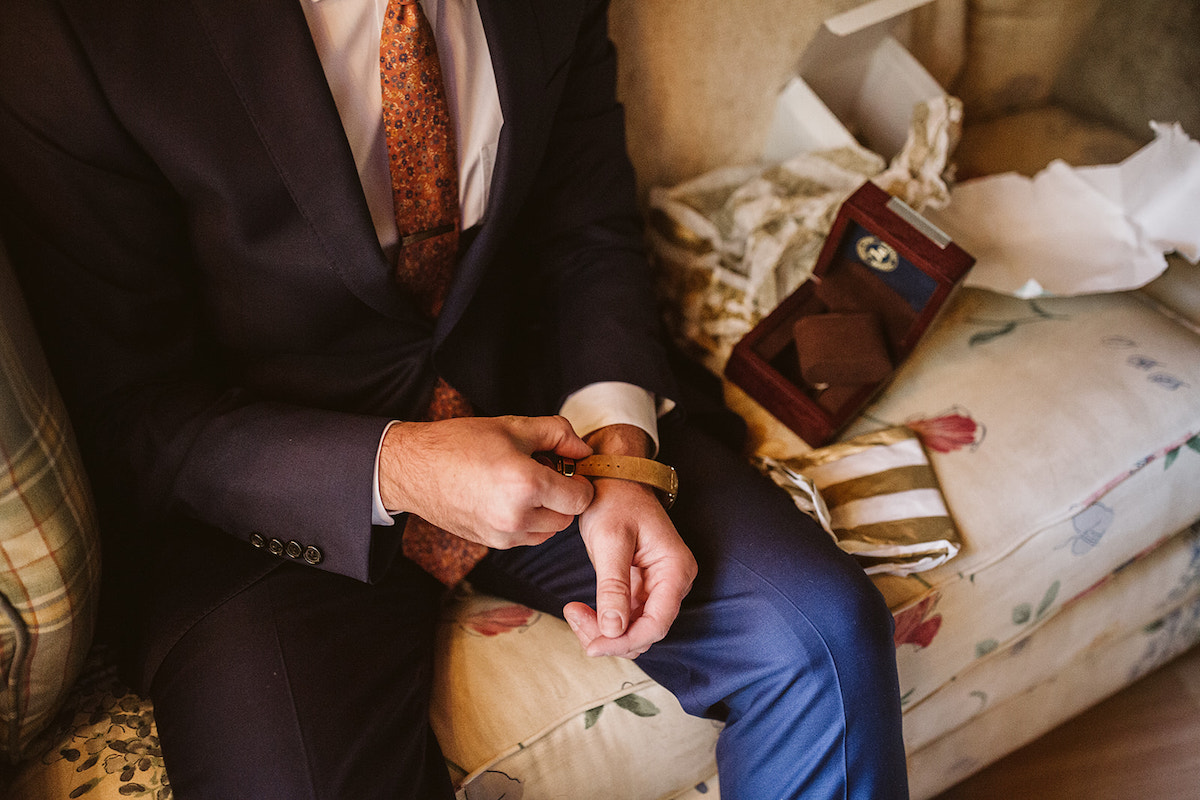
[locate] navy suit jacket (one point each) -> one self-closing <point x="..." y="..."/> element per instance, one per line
<point x="183" y="209"/>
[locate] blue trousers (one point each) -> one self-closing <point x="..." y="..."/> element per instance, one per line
<point x="313" y="685"/>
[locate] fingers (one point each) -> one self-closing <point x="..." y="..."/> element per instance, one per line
<point x="659" y="612"/>
<point x="542" y="523"/>
<point x="612" y="557"/>
<point x="643" y="633"/>
<point x="582" y="621"/>
<point x="649" y="625"/>
<point x="474" y="477"/>
<point x="559" y="494"/>
<point x="554" y="434"/>
<point x="554" y="491"/>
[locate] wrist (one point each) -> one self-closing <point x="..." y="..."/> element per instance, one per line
<point x="623" y="452"/>
<point x="621" y="439"/>
<point x="391" y="482"/>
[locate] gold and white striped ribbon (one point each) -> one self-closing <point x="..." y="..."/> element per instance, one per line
<point x="879" y="498"/>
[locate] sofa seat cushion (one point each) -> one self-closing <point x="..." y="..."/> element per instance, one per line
<point x="1135" y="621"/>
<point x="1132" y="598"/>
<point x="520" y="712"/>
<point x="1065" y="437"/>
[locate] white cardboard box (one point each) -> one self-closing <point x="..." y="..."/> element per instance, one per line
<point x="854" y="80"/>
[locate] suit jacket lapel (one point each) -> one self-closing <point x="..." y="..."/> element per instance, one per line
<point x="314" y="160"/>
<point x="521" y="43"/>
<point x="283" y="89"/>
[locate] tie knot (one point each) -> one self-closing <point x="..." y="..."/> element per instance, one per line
<point x="402" y="14"/>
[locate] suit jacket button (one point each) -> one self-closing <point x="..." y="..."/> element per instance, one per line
<point x="275" y="547"/>
<point x="258" y="540"/>
<point x="293" y="549"/>
<point x="313" y="555"/>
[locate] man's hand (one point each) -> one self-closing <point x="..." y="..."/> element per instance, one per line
<point x="474" y="477"/>
<point x="643" y="568"/>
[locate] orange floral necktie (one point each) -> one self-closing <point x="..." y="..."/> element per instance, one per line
<point x="424" y="170"/>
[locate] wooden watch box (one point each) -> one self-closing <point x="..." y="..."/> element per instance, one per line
<point x="881" y="278"/>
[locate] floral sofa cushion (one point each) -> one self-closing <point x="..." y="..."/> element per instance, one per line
<point x="1065" y="436"/>
<point x="531" y="717"/>
<point x="49" y="545"/>
<point x="103" y="745"/>
<point x="521" y="711"/>
<point x="1132" y="597"/>
<point x="1136" y="619"/>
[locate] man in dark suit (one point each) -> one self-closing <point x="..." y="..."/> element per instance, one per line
<point x="192" y="202"/>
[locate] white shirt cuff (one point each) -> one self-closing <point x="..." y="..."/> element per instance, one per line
<point x="612" y="402"/>
<point x="379" y="514"/>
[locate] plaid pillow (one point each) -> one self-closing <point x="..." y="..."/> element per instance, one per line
<point x="49" y="545"/>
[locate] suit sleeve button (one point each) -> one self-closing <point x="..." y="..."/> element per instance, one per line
<point x="293" y="549"/>
<point x="275" y="547"/>
<point x="258" y="540"/>
<point x="313" y="555"/>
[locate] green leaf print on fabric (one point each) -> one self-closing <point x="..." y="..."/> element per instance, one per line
<point x="80" y="791"/>
<point x="1192" y="443"/>
<point x="1048" y="600"/>
<point x="1001" y="328"/>
<point x="636" y="704"/>
<point x="1022" y="614"/>
<point x="633" y="703"/>
<point x="985" y="647"/>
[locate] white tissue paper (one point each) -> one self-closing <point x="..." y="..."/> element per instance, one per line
<point x="1073" y="231"/>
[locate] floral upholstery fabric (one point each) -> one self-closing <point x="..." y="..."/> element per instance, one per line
<point x="49" y="545"/>
<point x="104" y="744"/>
<point x="1058" y="469"/>
<point x="520" y="711"/>
<point x="1132" y="622"/>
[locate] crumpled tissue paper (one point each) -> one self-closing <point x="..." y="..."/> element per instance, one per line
<point x="1070" y="231"/>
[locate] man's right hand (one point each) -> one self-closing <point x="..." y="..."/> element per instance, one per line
<point x="475" y="477"/>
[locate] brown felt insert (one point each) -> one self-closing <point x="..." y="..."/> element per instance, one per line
<point x="849" y="286"/>
<point x="847" y="289"/>
<point x="842" y="348"/>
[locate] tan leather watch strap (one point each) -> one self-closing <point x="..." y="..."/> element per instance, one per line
<point x="652" y="473"/>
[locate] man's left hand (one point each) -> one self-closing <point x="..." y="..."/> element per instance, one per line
<point x="643" y="568"/>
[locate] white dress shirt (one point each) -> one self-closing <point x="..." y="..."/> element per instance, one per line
<point x="346" y="34"/>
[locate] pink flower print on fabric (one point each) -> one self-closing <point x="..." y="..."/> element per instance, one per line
<point x="947" y="433"/>
<point x="500" y="619"/>
<point x="913" y="628"/>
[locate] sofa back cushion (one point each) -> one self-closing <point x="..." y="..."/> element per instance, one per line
<point x="49" y="545"/>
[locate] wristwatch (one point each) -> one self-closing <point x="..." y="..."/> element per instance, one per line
<point x="655" y="474"/>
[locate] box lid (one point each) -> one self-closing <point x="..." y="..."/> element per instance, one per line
<point x="880" y="257"/>
<point x="856" y="77"/>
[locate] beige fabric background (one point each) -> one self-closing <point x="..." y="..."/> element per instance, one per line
<point x="699" y="77"/>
